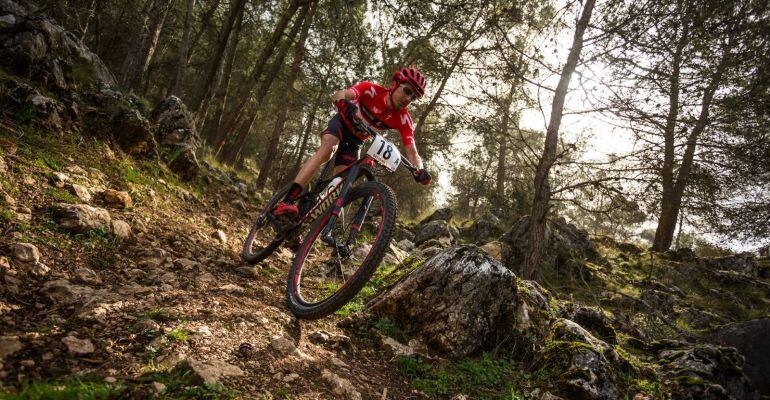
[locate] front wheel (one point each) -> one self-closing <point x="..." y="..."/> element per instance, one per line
<point x="324" y="276"/>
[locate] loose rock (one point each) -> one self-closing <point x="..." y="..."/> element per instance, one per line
<point x="86" y="275"/>
<point x="77" y="346"/>
<point x="81" y="192"/>
<point x="220" y="236"/>
<point x="210" y="371"/>
<point x="121" y="229"/>
<point x="117" y="199"/>
<point x="8" y="346"/>
<point x="25" y="253"/>
<point x="59" y="179"/>
<point x="341" y="386"/>
<point x="283" y="345"/>
<point x="81" y="218"/>
<point x="432" y="230"/>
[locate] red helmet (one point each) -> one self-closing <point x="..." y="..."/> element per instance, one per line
<point x="411" y="76"/>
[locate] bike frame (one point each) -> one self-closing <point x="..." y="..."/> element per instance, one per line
<point x="348" y="176"/>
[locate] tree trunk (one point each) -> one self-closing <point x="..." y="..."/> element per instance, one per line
<point x="664" y="234"/>
<point x="182" y="64"/>
<point x="537" y="221"/>
<point x="307" y="132"/>
<point x="91" y="13"/>
<point x="502" y="147"/>
<point x="98" y="28"/>
<point x="201" y="102"/>
<point x="235" y="147"/>
<point x="132" y="58"/>
<point x="434" y="100"/>
<point x="669" y="134"/>
<point x="138" y="61"/>
<point x="205" y="22"/>
<point x="299" y="52"/>
<point x="259" y="66"/>
<point x="215" y="136"/>
<point x="679" y="231"/>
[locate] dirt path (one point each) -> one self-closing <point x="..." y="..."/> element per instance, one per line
<point x="173" y="290"/>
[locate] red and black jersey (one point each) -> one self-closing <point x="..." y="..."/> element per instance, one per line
<point x="370" y="98"/>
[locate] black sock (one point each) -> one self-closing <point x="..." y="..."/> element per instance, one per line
<point x="293" y="193"/>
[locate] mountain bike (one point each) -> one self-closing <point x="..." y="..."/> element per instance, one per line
<point x="346" y="224"/>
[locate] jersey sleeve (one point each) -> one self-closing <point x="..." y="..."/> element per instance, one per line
<point x="360" y="88"/>
<point x="406" y="130"/>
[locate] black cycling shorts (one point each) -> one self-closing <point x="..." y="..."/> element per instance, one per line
<point x="349" y="148"/>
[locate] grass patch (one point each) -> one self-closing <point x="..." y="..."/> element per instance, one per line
<point x="6" y="218"/>
<point x="478" y="378"/>
<point x="389" y="328"/>
<point x="75" y="388"/>
<point x="8" y="186"/>
<point x="179" y="335"/>
<point x="384" y="277"/>
<point x="178" y="386"/>
<point x="46" y="160"/>
<point x="61" y="195"/>
<point x="157" y="314"/>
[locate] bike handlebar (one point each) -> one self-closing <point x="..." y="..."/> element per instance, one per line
<point x="373" y="132"/>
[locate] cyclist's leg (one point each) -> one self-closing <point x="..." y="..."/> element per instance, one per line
<point x="330" y="139"/>
<point x="348" y="153"/>
<point x="329" y="144"/>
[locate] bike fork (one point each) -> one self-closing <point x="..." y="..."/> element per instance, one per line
<point x="326" y="235"/>
<point x="358" y="221"/>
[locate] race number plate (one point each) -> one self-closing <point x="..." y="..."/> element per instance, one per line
<point x="385" y="153"/>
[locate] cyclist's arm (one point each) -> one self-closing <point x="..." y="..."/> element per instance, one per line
<point x="412" y="155"/>
<point x="343" y="94"/>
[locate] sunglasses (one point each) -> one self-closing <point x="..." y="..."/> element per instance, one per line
<point x="409" y="92"/>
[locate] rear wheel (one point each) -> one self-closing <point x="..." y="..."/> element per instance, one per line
<point x="253" y="252"/>
<point x="325" y="277"/>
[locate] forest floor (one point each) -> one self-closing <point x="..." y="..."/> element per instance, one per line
<point x="170" y="291"/>
<point x="170" y="310"/>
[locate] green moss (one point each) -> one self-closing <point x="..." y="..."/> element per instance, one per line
<point x="689" y="380"/>
<point x="61" y="196"/>
<point x="6" y="218"/>
<point x="74" y="388"/>
<point x="179" y="335"/>
<point x="482" y="377"/>
<point x="158" y="314"/>
<point x="178" y="385"/>
<point x="390" y="328"/>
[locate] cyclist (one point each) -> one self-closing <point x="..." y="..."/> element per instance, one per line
<point x="382" y="108"/>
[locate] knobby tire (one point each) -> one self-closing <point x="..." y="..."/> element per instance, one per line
<point x="364" y="272"/>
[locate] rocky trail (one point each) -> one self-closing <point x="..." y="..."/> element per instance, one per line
<point x="160" y="284"/>
<point x="122" y="278"/>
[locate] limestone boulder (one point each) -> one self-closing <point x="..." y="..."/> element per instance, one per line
<point x="442" y="214"/>
<point x="175" y="131"/>
<point x="485" y="228"/>
<point x="743" y="263"/>
<point x="574" y="364"/>
<point x="704" y="372"/>
<point x="40" y="49"/>
<point x="81" y="217"/>
<point x="432" y="230"/>
<point x="752" y="340"/>
<point x="457" y="302"/>
<point x="132" y="132"/>
<point x="564" y="244"/>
